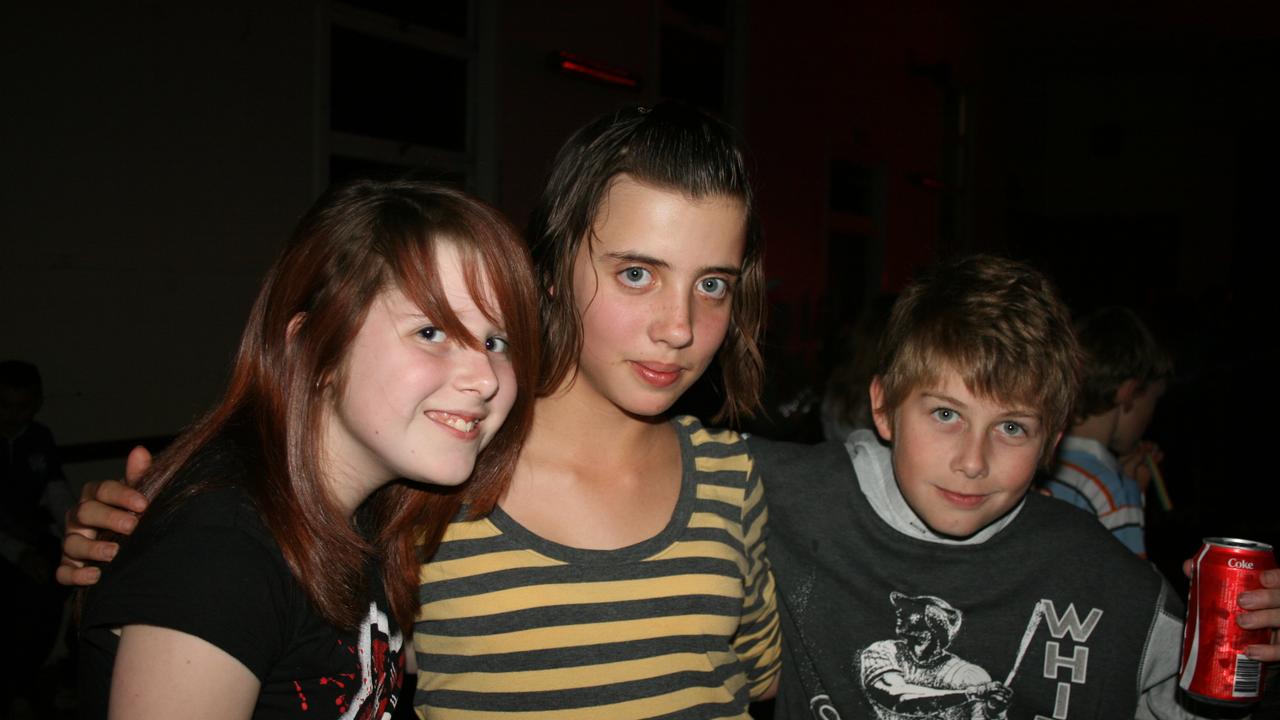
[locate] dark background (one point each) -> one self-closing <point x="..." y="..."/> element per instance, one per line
<point x="155" y="156"/>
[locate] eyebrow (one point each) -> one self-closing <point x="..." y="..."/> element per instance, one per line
<point x="655" y="262"/>
<point x="1010" y="412"/>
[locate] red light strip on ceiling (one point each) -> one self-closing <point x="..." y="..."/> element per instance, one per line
<point x="575" y="64"/>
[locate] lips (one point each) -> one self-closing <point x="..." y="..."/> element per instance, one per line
<point x="464" y="426"/>
<point x="962" y="500"/>
<point x="657" y="374"/>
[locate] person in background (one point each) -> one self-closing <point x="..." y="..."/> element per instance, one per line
<point x="845" y="403"/>
<point x="1104" y="465"/>
<point x="34" y="498"/>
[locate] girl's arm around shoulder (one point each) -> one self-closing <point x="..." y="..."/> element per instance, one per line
<point x="163" y="673"/>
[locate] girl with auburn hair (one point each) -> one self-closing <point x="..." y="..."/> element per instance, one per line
<point x="623" y="573"/>
<point x="276" y="569"/>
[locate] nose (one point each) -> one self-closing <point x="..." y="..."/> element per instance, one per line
<point x="672" y="322"/>
<point x="970" y="457"/>
<point x="474" y="373"/>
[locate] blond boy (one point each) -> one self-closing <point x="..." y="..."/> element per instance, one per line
<point x="929" y="583"/>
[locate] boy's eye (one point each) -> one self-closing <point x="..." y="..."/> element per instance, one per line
<point x="432" y="334"/>
<point x="495" y="344"/>
<point x="945" y="415"/>
<point x="1012" y="429"/>
<point x="635" y="277"/>
<point x="714" y="287"/>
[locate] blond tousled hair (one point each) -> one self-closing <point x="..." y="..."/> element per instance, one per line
<point x="999" y="323"/>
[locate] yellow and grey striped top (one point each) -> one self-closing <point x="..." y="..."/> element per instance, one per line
<point x="682" y="625"/>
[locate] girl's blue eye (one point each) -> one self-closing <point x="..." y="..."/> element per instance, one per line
<point x="945" y="415"/>
<point x="635" y="277"/>
<point x="432" y="334"/>
<point x="714" y="287"/>
<point x="495" y="344"/>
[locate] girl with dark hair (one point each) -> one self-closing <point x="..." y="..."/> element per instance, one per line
<point x="623" y="573"/>
<point x="277" y="565"/>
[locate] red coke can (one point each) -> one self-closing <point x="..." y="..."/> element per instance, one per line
<point x="1214" y="666"/>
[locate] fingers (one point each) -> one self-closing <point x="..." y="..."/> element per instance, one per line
<point x="1270" y="578"/>
<point x="1188" y="566"/>
<point x="80" y="543"/>
<point x="92" y="515"/>
<point x="1266" y="597"/>
<point x="1142" y="474"/>
<point x="1265" y="653"/>
<point x="1264" y="605"/>
<point x="88" y="490"/>
<point x="104" y="505"/>
<point x="78" y="549"/>
<point x="76" y="576"/>
<point x="136" y="465"/>
<point x="1134" y="465"/>
<point x="114" y="496"/>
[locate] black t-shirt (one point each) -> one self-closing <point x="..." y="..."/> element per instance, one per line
<point x="210" y="568"/>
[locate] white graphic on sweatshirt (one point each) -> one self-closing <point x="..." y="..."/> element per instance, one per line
<point x="915" y="676"/>
<point x="1067" y="668"/>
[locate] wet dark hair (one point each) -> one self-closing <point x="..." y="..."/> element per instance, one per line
<point x="671" y="146"/>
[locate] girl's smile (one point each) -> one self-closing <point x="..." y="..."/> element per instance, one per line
<point x="414" y="402"/>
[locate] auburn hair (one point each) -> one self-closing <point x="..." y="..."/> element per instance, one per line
<point x="670" y="146"/>
<point x="355" y="242"/>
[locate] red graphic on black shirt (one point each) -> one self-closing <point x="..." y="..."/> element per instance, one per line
<point x="370" y="692"/>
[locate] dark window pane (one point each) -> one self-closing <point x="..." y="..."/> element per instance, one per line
<point x="708" y="12"/>
<point x="692" y="69"/>
<point x="389" y="90"/>
<point x="446" y="16"/>
<point x="851" y="188"/>
<point x="846" y="274"/>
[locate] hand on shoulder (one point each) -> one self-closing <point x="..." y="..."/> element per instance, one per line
<point x="106" y="505"/>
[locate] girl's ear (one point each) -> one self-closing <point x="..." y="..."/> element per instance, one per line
<point x="291" y="332"/>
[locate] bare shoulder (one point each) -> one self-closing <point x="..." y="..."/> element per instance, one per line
<point x="163" y="673"/>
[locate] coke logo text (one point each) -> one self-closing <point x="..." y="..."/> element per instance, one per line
<point x="1238" y="563"/>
